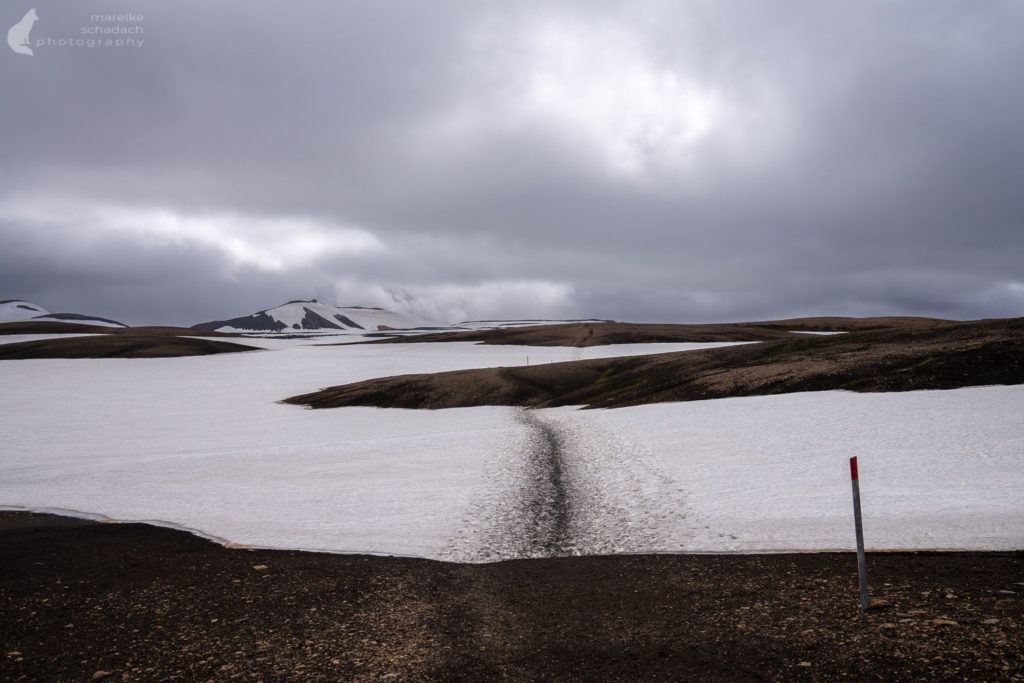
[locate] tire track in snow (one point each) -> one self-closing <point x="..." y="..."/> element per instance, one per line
<point x="564" y="485"/>
<point x="523" y="507"/>
<point x="623" y="500"/>
<point x="547" y="496"/>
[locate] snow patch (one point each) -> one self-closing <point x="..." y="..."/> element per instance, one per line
<point x="15" y="310"/>
<point x="201" y="443"/>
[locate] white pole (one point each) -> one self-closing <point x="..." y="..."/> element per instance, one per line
<point x="862" y="568"/>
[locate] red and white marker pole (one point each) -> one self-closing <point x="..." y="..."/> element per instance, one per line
<point x="862" y="567"/>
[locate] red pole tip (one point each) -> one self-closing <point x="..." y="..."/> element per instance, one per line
<point x="853" y="467"/>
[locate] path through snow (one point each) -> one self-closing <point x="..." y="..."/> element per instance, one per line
<point x="201" y="443"/>
<point x="573" y="489"/>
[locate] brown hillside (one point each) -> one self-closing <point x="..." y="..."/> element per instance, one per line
<point x="597" y="334"/>
<point x="118" y="346"/>
<point x="940" y="356"/>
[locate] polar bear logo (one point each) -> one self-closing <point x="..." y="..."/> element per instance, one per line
<point x="17" y="36"/>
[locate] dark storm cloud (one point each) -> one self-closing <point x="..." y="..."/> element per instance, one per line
<point x="642" y="161"/>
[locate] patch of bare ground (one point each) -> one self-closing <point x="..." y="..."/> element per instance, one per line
<point x="48" y="327"/>
<point x="87" y="601"/>
<point x="131" y="345"/>
<point x="598" y="333"/>
<point x="51" y="327"/>
<point x="926" y="356"/>
<point x="844" y="324"/>
<point x="170" y="331"/>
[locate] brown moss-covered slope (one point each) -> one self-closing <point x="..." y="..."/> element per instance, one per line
<point x="118" y="346"/>
<point x="933" y="356"/>
<point x="598" y="333"/>
<point x="54" y="327"/>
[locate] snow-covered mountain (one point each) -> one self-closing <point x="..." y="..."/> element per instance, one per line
<point x="316" y="315"/>
<point x="15" y="310"/>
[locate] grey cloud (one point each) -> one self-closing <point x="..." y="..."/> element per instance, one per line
<point x="866" y="158"/>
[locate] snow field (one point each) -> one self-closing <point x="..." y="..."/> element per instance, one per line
<point x="938" y="469"/>
<point x="201" y="443"/>
<point x="15" y="310"/>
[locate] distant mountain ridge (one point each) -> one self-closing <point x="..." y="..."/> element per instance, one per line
<point x="16" y="310"/>
<point x="314" y="315"/>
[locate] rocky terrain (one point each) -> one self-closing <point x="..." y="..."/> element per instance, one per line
<point x="88" y="601"/>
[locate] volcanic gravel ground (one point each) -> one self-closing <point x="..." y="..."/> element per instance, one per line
<point x="86" y="601"/>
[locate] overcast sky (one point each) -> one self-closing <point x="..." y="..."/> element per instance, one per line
<point x="649" y="161"/>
